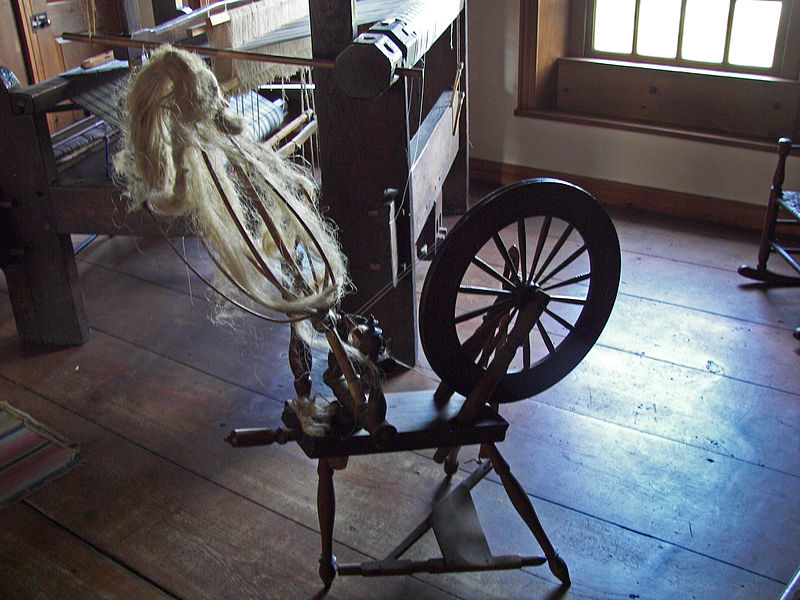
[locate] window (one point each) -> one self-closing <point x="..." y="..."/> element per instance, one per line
<point x="736" y="35"/>
<point x="713" y="67"/>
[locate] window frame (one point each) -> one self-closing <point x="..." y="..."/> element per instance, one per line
<point x="554" y="37"/>
<point x="776" y="70"/>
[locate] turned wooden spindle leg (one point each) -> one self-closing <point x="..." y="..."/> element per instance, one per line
<point x="326" y="511"/>
<point x="449" y="458"/>
<point x="451" y="462"/>
<point x="522" y="504"/>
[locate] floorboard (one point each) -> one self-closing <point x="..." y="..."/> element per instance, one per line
<point x="40" y="559"/>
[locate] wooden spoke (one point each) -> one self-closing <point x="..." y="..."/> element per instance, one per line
<point x="566" y="324"/>
<point x="522" y="240"/>
<point x="543" y="233"/>
<point x="499" y="306"/>
<point x="490" y="270"/>
<point x="555" y="250"/>
<point x="511" y="266"/>
<point x="545" y="338"/>
<point x="569" y="260"/>
<point x="483" y="291"/>
<point x="568" y="300"/>
<point x="570" y="281"/>
<point x="526" y="353"/>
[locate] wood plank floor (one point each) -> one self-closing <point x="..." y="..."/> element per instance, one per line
<point x="666" y="465"/>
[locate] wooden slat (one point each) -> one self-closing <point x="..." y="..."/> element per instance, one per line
<point x="718" y="345"/>
<point x="705" y="410"/>
<point x="97" y="207"/>
<point x="435" y="146"/>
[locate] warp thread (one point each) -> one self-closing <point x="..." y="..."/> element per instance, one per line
<point x="249" y="22"/>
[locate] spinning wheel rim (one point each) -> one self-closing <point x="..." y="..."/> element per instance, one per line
<point x="545" y="198"/>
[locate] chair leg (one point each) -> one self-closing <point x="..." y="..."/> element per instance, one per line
<point x="767" y="233"/>
<point x="522" y="503"/>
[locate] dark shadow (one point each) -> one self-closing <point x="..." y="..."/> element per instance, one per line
<point x="764" y="286"/>
<point x="321" y="594"/>
<point x="442" y="490"/>
<point x="557" y="593"/>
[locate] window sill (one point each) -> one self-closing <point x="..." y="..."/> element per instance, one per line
<point x="712" y="106"/>
<point x="760" y="144"/>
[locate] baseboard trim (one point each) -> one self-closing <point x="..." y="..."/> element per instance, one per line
<point x="615" y="194"/>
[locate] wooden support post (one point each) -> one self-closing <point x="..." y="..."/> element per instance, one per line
<point x="40" y="270"/>
<point x="363" y="153"/>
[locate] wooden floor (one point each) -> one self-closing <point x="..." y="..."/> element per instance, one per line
<point x="666" y="466"/>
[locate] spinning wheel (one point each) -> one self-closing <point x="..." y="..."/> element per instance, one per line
<point x="572" y="267"/>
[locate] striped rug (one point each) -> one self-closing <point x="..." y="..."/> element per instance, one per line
<point x="30" y="454"/>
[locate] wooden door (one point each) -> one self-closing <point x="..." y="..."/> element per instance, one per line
<point x="47" y="53"/>
<point x="11" y="56"/>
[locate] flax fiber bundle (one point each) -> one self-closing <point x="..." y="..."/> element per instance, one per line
<point x="178" y="131"/>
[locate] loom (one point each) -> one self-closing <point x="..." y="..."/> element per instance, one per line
<point x="389" y="84"/>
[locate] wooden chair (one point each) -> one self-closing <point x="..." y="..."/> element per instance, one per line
<point x="783" y="211"/>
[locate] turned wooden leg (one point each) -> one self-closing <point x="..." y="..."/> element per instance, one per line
<point x="326" y="511"/>
<point x="449" y="458"/>
<point x="522" y="503"/>
<point x="451" y="462"/>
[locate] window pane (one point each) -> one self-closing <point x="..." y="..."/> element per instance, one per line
<point x="754" y="31"/>
<point x="659" y="23"/>
<point x="705" y="26"/>
<point x="613" y="26"/>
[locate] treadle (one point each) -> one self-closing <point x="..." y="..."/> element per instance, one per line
<point x="458" y="532"/>
<point x="394" y="566"/>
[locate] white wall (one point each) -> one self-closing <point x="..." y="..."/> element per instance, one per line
<point x="609" y="154"/>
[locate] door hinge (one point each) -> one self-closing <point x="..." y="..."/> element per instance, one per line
<point x="40" y="21"/>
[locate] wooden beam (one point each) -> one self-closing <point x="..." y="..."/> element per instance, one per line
<point x="435" y="146"/>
